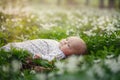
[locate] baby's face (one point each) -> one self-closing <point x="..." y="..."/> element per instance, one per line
<point x="69" y="45"/>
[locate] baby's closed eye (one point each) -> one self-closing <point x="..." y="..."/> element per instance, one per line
<point x="68" y="45"/>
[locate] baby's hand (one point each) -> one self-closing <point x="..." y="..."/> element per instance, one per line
<point x="36" y="56"/>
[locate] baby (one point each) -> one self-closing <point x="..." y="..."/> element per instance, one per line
<point x="50" y="49"/>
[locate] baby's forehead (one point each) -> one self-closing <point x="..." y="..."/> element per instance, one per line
<point x="74" y="39"/>
<point x="75" y="42"/>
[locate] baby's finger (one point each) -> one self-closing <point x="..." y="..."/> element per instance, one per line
<point x="36" y="56"/>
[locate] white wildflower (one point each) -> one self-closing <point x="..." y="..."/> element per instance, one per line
<point x="110" y="27"/>
<point x="32" y="16"/>
<point x="7" y="20"/>
<point x="97" y="61"/>
<point x="27" y="28"/>
<point x="102" y="27"/>
<point x="21" y="26"/>
<point x="14" y="20"/>
<point x="113" y="65"/>
<point x="115" y="21"/>
<point x="97" y="69"/>
<point x="22" y="74"/>
<point x="110" y="56"/>
<point x="83" y="67"/>
<point x="60" y="66"/>
<point x="94" y="28"/>
<point x="5" y="68"/>
<point x="90" y="72"/>
<point x="3" y="28"/>
<point x="41" y="76"/>
<point x="89" y="33"/>
<point x="2" y="17"/>
<point x="72" y="64"/>
<point x="19" y="19"/>
<point x="28" y="20"/>
<point x="37" y="19"/>
<point x="107" y="19"/>
<point x="119" y="58"/>
<point x="16" y="65"/>
<point x="51" y="74"/>
<point x="101" y="23"/>
<point x="80" y="59"/>
<point x="48" y="25"/>
<point x="32" y="72"/>
<point x="70" y="31"/>
<point x="85" y="20"/>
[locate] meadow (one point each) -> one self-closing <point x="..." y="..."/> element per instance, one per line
<point x="100" y="29"/>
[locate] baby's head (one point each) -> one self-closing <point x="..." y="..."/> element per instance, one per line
<point x="73" y="45"/>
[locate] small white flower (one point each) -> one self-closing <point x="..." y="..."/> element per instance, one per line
<point x="5" y="68"/>
<point x="72" y="64"/>
<point x="41" y="76"/>
<point x="97" y="61"/>
<point x="7" y="20"/>
<point x="119" y="58"/>
<point x="27" y="28"/>
<point x="32" y="16"/>
<point x="60" y="66"/>
<point x="16" y="65"/>
<point x="90" y="72"/>
<point x="101" y="23"/>
<point x="107" y="19"/>
<point x="80" y="59"/>
<point x="13" y="20"/>
<point x="2" y="17"/>
<point x="3" y="28"/>
<point x="89" y="33"/>
<point x="22" y="74"/>
<point x="28" y="20"/>
<point x="21" y="26"/>
<point x="97" y="69"/>
<point x="70" y="31"/>
<point x="19" y="19"/>
<point x="102" y="27"/>
<point x="110" y="27"/>
<point x="51" y="74"/>
<point x="110" y="56"/>
<point x="94" y="28"/>
<point x="113" y="65"/>
<point x="32" y="72"/>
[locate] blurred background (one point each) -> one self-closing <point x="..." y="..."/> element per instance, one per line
<point x="109" y="4"/>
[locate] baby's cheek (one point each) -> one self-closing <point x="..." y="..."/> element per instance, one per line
<point x="63" y="48"/>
